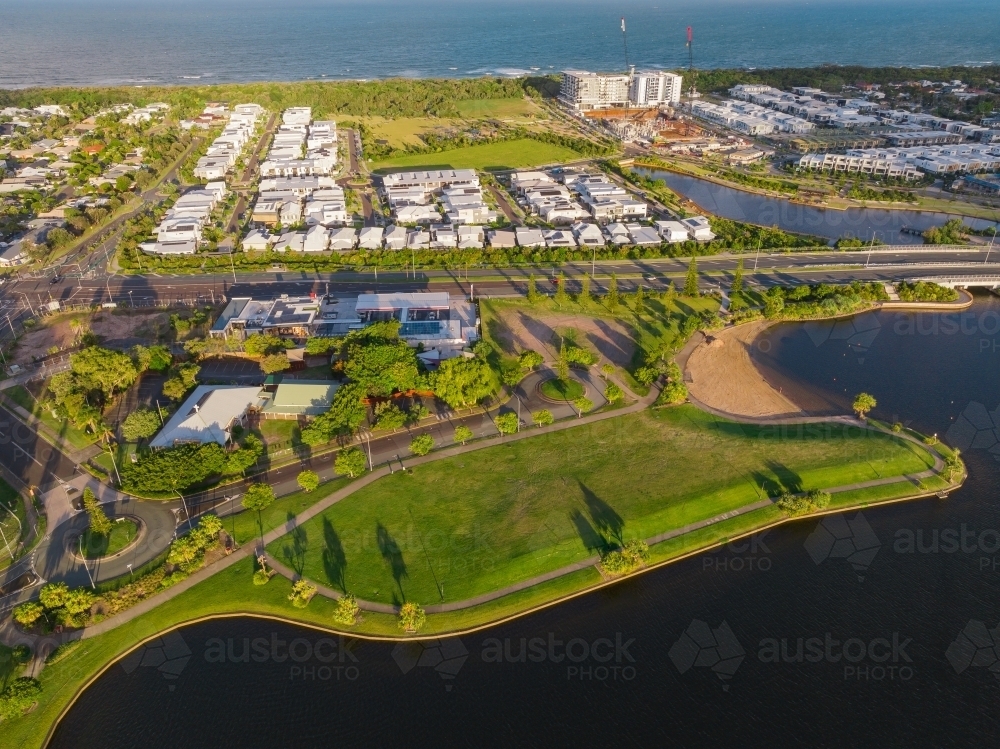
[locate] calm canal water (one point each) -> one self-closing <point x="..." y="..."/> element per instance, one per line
<point x="738" y="205"/>
<point x="702" y="653"/>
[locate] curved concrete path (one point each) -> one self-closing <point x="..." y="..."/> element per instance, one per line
<point x="10" y="635"/>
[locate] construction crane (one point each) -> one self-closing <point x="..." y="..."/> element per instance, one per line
<point x="690" y="46"/>
<point x="628" y="67"/>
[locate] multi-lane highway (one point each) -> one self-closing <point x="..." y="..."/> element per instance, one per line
<point x="881" y="264"/>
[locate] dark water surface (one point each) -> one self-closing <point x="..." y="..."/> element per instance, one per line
<point x="688" y="655"/>
<point x="882" y="223"/>
<point x="102" y="42"/>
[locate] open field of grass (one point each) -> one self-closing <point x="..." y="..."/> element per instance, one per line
<point x="503" y="109"/>
<point x="451" y="530"/>
<point x="403" y="132"/>
<point x="78" y="438"/>
<point x="509" y="154"/>
<point x="728" y="450"/>
<point x="244" y="525"/>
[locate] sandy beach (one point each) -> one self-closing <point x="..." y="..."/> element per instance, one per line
<point x="721" y="375"/>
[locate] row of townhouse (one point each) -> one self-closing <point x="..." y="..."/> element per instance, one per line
<point x="575" y="196"/>
<point x="180" y="230"/>
<point x="985" y="133"/>
<point x="909" y="162"/>
<point x="422" y="197"/>
<point x="751" y="119"/>
<point x="292" y="200"/>
<point x="222" y="155"/>
<point x="468" y="236"/>
<point x="301" y="147"/>
<point x="584" y="234"/>
<point x="810" y="105"/>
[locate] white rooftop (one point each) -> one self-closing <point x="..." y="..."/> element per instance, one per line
<point x="207" y="415"/>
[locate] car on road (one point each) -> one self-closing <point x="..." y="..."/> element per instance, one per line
<point x="56" y="278"/>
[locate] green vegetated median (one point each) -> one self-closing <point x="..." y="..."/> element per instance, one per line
<point x="477" y="523"/>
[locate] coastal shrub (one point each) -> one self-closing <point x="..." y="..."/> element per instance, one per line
<point x="801" y="504"/>
<point x="543" y="417"/>
<point x="19" y="695"/>
<point x="302" y="593"/>
<point x="925" y="291"/>
<point x="613" y="393"/>
<point x="140" y="424"/>
<point x="346" y="611"/>
<point x="28" y="613"/>
<point x="629" y="558"/>
<point x="411" y="617"/>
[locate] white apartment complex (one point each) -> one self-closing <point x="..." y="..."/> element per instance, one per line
<point x="225" y="150"/>
<point x="583" y="91"/>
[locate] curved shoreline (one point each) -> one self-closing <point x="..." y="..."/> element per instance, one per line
<point x="710" y="374"/>
<point x="773" y="195"/>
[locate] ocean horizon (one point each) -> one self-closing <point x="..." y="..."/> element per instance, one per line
<point x="176" y="42"/>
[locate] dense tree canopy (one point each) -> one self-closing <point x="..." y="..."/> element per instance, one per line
<point x="173" y="469"/>
<point x="464" y="382"/>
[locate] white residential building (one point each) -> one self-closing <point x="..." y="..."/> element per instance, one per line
<point x="343" y="239"/>
<point x="528" y="237"/>
<point x="672" y="231"/>
<point x="317" y="240"/>
<point x="654" y="88"/>
<point x="588" y="235"/>
<point x="371" y="238"/>
<point x="699" y="228"/>
<point x="395" y="237"/>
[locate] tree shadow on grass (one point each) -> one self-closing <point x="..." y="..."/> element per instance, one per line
<point x="781" y="479"/>
<point x="393" y="556"/>
<point x="334" y="558"/>
<point x="295" y="552"/>
<point x="592" y="540"/>
<point x="606" y="520"/>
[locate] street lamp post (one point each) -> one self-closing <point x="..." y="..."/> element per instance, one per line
<point x="28" y="301"/>
<point x="183" y="502"/>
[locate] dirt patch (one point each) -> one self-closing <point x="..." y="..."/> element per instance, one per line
<point x="515" y="330"/>
<point x="63" y="331"/>
<point x="721" y="375"/>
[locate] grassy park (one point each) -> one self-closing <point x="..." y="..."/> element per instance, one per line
<point x="459" y="530"/>
<point x="450" y="531"/>
<point x="510" y="154"/>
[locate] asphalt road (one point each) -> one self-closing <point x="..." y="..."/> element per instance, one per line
<point x="33" y="460"/>
<point x="57" y="557"/>
<point x="888" y="264"/>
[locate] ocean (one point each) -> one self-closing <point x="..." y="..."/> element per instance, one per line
<point x="107" y="42"/>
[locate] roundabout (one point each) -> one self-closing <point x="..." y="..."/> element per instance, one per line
<point x="126" y="532"/>
<point x="69" y="555"/>
<point x="559" y="390"/>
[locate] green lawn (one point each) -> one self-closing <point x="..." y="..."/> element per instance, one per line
<point x="496" y="108"/>
<point x="244" y="525"/>
<point x="726" y="449"/>
<point x="95" y="546"/>
<point x="510" y="154"/>
<point x="78" y="438"/>
<point x="277" y="431"/>
<point x="565" y="390"/>
<point x="12" y="521"/>
<point x="451" y="530"/>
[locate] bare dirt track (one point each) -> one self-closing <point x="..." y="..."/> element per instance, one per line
<point x="516" y="330"/>
<point x="62" y="331"/>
